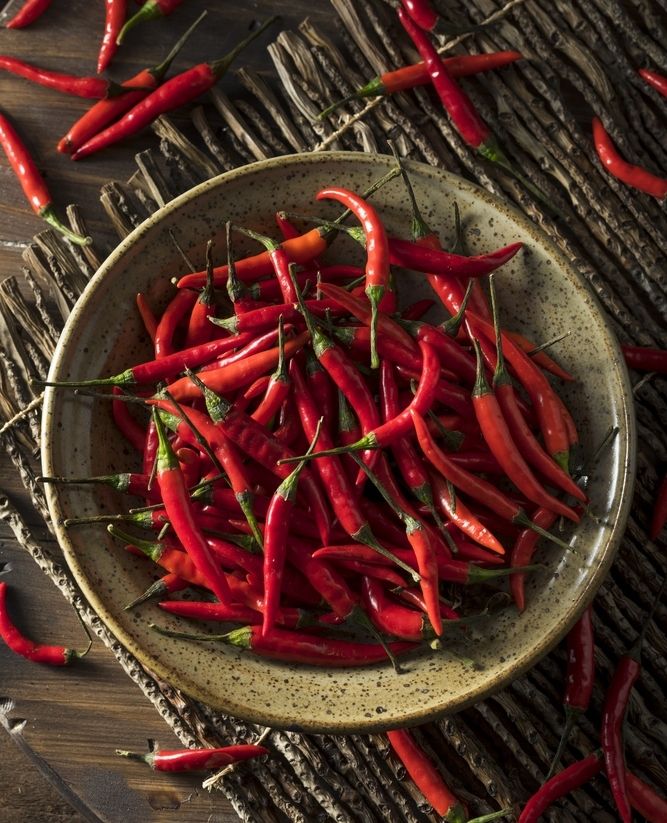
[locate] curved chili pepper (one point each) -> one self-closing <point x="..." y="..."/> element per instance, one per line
<point x="579" y="680"/>
<point x="658" y="81"/>
<point x="199" y="329"/>
<point x="267" y="316"/>
<point x="299" y="647"/>
<point x="279" y="260"/>
<point x="377" y="252"/>
<point x="409" y="77"/>
<point x="453" y="355"/>
<point x="426" y="777"/>
<point x="92" y="88"/>
<point x="635" y="176"/>
<point x="188" y="760"/>
<point x="523" y="550"/>
<point x="37" y="652"/>
<point x="180" y="305"/>
<point x="177" y="504"/>
<point x="150" y="10"/>
<point x="499" y="440"/>
<point x="32" y="182"/>
<point x="391" y="617"/>
<point x="358" y="338"/>
<point x="30" y="11"/>
<point x="171" y="95"/>
<point x="645" y="358"/>
<point x="462" y="517"/>
<point x="645" y="799"/>
<point x="130" y="93"/>
<point x="333" y="477"/>
<point x="476" y="487"/>
<point x="256" y="344"/>
<point x="561" y="784"/>
<point x="115" y="14"/>
<point x="276" y="532"/>
<point x="410" y="255"/>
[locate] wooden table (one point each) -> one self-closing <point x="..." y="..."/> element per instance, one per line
<point x="72" y="720"/>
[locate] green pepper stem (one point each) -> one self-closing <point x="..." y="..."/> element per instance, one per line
<point x="149" y="11"/>
<point x="48" y="214"/>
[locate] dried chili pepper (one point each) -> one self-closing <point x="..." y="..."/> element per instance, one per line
<point x="645" y="799"/>
<point x="409" y="77"/>
<point x="377" y="252"/>
<point x="645" y="358"/>
<point x="32" y="182"/>
<point x="37" y="652"/>
<point x="112" y="108"/>
<point x="188" y="760"/>
<point x="580" y="678"/>
<point x="636" y="176"/>
<point x="30" y="11"/>
<point x="298" y="647"/>
<point x="171" y="95"/>
<point x="658" y="81"/>
<point x="150" y="10"/>
<point x="561" y="784"/>
<point x="115" y="14"/>
<point x="92" y="88"/>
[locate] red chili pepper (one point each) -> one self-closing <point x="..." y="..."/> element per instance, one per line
<point x="37" y="652"/>
<point x="452" y="354"/>
<point x="177" y="504"/>
<point x="199" y="329"/>
<point x="277" y="388"/>
<point x="113" y="108"/>
<point x="645" y="799"/>
<point x="409" y="77"/>
<point x="580" y="678"/>
<point x="635" y="176"/>
<point x="377" y="252"/>
<point x="279" y="260"/>
<point x="32" y="182"/>
<point x="410" y="255"/>
<point x="644" y="358"/>
<point x="540" y="357"/>
<point x="30" y="11"/>
<point x="499" y="440"/>
<point x="659" y="517"/>
<point x="150" y="10"/>
<point x="168" y="584"/>
<point x="116" y="11"/>
<point x="426" y="777"/>
<point x="127" y="425"/>
<point x="423" y="14"/>
<point x="561" y="784"/>
<point x="322" y="387"/>
<point x="239" y="374"/>
<point x="299" y="647"/>
<point x="658" y="81"/>
<point x="256" y="344"/>
<point x="276" y="532"/>
<point x="267" y="316"/>
<point x="391" y="617"/>
<point x="178" y="308"/>
<point x="93" y="88"/>
<point x="358" y="338"/>
<point x="523" y="550"/>
<point x="147" y="317"/>
<point x="334" y="479"/>
<point x="188" y="760"/>
<point x="171" y="95"/>
<point x="476" y="487"/>
<point x="415" y="311"/>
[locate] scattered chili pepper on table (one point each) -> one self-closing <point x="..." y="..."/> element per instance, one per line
<point x="636" y="176"/>
<point x="645" y="358"/>
<point x="32" y="182"/>
<point x="94" y="88"/>
<point x="115" y="14"/>
<point x="560" y="785"/>
<point x="30" y="11"/>
<point x="188" y="760"/>
<point x="653" y="78"/>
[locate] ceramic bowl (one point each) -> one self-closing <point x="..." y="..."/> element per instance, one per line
<point x="540" y="295"/>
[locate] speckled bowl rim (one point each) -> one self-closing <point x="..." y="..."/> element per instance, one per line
<point x="627" y="460"/>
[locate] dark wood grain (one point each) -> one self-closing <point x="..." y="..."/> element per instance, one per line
<point x="76" y="718"/>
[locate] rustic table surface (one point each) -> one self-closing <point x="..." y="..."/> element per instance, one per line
<point x="70" y="721"/>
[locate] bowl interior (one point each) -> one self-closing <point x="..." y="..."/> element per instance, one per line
<point x="540" y="295"/>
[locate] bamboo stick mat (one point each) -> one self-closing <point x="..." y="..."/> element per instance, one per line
<point x="496" y="753"/>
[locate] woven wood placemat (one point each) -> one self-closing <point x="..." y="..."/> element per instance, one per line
<point x="581" y="57"/>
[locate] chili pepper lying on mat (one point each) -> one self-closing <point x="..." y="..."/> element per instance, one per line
<point x="37" y="652"/>
<point x="150" y="10"/>
<point x="636" y="176"/>
<point x="560" y="785"/>
<point x="176" y="92"/>
<point x="409" y="77"/>
<point x="658" y="81"/>
<point x="32" y="182"/>
<point x="645" y="358"/>
<point x="115" y="14"/>
<point x="94" y="88"/>
<point x="189" y="760"/>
